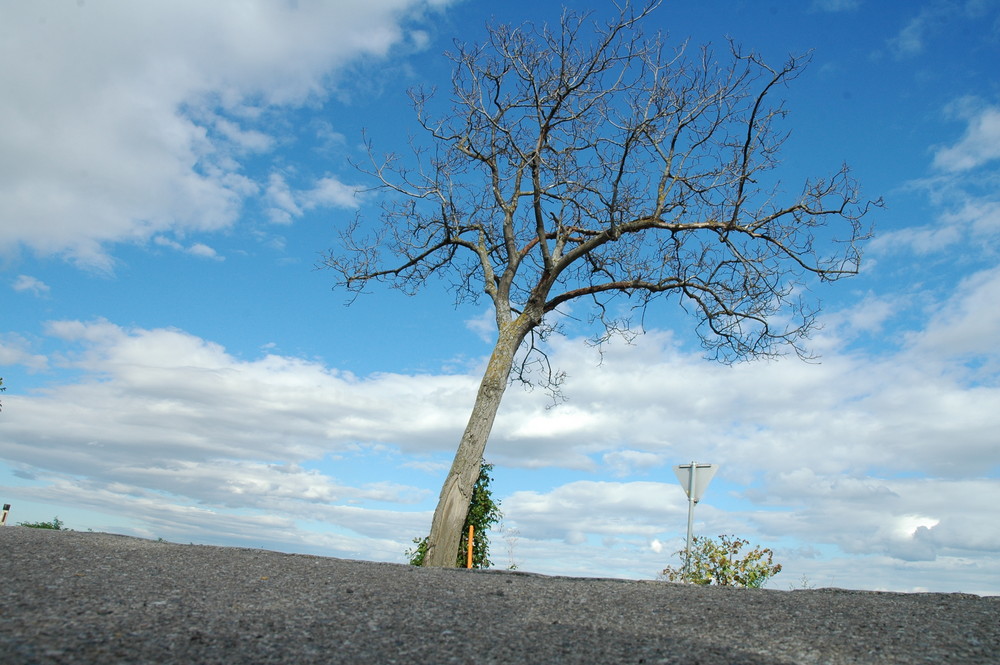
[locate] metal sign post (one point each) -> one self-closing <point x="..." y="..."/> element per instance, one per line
<point x="694" y="479"/>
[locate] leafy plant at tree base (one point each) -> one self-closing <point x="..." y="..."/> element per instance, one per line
<point x="56" y="524"/>
<point x="724" y="563"/>
<point x="483" y="513"/>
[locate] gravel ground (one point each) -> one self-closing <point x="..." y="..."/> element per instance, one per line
<point x="70" y="597"/>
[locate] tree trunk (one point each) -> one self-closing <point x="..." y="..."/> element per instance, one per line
<point x="453" y="504"/>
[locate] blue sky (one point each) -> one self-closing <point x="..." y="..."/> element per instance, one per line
<point x="177" y="367"/>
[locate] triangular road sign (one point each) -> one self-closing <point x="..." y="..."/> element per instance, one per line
<point x="703" y="474"/>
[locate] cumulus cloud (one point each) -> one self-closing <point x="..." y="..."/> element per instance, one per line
<point x="275" y="407"/>
<point x="121" y="121"/>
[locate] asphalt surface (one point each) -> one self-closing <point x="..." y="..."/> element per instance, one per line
<point x="71" y="597"/>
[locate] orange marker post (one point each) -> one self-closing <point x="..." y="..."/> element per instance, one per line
<point x="468" y="557"/>
<point x="3" y="518"/>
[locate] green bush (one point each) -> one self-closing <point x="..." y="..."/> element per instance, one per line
<point x="56" y="524"/>
<point x="724" y="563"/>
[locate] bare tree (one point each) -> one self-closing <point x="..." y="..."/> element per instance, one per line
<point x="587" y="162"/>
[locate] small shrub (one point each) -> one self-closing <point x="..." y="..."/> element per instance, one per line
<point x="416" y="555"/>
<point x="723" y="563"/>
<point x="56" y="524"/>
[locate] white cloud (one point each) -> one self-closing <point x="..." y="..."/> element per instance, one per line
<point x="16" y="350"/>
<point x="329" y="191"/>
<point x="979" y="145"/>
<point x="932" y="17"/>
<point x="628" y="462"/>
<point x="219" y="407"/>
<point x="921" y="240"/>
<point x="484" y="325"/>
<point x="961" y="192"/>
<point x="908" y="519"/>
<point x="121" y="121"/>
<point x="197" y="249"/>
<point x="32" y="284"/>
<point x="910" y="40"/>
<point x="835" y="5"/>
<point x="577" y="511"/>
<point x="287" y="204"/>
<point x="427" y="466"/>
<point x="968" y="323"/>
<point x="283" y="205"/>
<point x="164" y="413"/>
<point x="868" y="315"/>
<point x="249" y="140"/>
<point x="204" y="251"/>
<point x="170" y="516"/>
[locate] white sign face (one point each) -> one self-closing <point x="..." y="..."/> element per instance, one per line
<point x="703" y="474"/>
